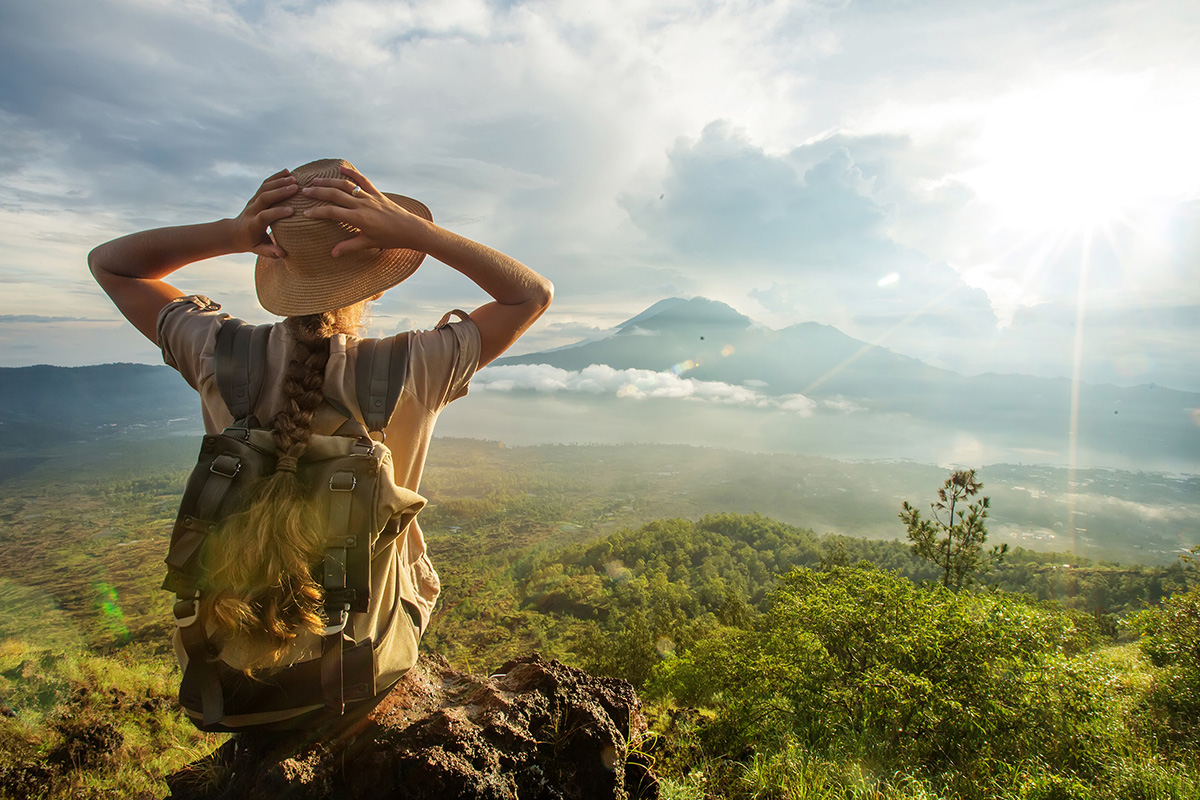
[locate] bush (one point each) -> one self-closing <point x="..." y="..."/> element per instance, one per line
<point x="860" y="663"/>
<point x="1171" y="640"/>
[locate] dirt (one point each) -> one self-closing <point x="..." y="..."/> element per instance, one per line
<point x="537" y="729"/>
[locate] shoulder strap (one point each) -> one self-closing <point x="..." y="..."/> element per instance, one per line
<point x="379" y="378"/>
<point x="241" y="360"/>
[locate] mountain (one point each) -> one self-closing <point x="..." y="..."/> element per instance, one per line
<point x="867" y="401"/>
<point x="709" y="341"/>
<point x="43" y="403"/>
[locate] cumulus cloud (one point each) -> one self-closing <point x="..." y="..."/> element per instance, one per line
<point x="725" y="200"/>
<point x="632" y="384"/>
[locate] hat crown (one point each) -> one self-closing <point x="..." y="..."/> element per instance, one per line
<point x="308" y="280"/>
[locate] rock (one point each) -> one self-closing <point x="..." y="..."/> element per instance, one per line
<point x="539" y="729"/>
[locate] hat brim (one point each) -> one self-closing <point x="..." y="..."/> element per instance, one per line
<point x="310" y="281"/>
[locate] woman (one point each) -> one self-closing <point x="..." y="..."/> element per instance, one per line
<point x="327" y="241"/>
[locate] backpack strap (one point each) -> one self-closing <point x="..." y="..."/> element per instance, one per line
<point x="379" y="378"/>
<point x="241" y="360"/>
<point x="343" y="591"/>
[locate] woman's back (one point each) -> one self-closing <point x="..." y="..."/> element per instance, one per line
<point x="327" y="241"/>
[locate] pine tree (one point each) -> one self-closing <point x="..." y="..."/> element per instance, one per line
<point x="953" y="538"/>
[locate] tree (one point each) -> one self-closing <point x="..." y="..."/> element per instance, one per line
<point x="954" y="541"/>
<point x="1191" y="563"/>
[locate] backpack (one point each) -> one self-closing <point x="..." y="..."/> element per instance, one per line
<point x="350" y="477"/>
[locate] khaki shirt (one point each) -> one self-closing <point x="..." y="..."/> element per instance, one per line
<point x="440" y="365"/>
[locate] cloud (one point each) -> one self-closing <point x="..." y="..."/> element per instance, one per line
<point x="782" y="157"/>
<point x="13" y="319"/>
<point x="726" y="201"/>
<point x="632" y="384"/>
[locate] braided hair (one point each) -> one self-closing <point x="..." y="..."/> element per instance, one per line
<point x="258" y="566"/>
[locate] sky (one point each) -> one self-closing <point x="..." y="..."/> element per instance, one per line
<point x="987" y="186"/>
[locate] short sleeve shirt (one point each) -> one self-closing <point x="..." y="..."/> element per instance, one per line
<point x="441" y="362"/>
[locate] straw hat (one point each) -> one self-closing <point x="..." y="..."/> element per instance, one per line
<point x="309" y="280"/>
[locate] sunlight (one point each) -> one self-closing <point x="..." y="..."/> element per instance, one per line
<point x="1083" y="152"/>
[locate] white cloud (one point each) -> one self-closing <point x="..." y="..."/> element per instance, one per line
<point x="632" y="384"/>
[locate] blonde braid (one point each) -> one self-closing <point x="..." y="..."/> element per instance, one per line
<point x="259" y="563"/>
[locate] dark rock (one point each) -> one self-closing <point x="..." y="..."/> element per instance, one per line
<point x="539" y="729"/>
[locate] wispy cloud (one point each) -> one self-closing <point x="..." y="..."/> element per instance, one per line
<point x="34" y="318"/>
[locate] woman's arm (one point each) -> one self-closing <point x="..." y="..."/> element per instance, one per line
<point x="520" y="294"/>
<point x="131" y="269"/>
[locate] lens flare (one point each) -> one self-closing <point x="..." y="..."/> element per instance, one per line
<point x="727" y="350"/>
<point x="618" y="571"/>
<point x="684" y="366"/>
<point x="108" y="605"/>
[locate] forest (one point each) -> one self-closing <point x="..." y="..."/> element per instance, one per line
<point x="776" y="659"/>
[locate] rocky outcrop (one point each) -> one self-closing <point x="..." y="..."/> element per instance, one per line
<point x="538" y="729"/>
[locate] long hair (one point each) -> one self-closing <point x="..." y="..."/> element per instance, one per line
<point x="259" y="587"/>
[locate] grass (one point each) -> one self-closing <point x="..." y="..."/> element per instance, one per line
<point x="80" y="725"/>
<point x="87" y="683"/>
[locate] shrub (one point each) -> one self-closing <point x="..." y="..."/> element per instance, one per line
<point x="1171" y="640"/>
<point x="859" y="663"/>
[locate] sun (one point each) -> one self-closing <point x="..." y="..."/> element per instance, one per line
<point x="1083" y="152"/>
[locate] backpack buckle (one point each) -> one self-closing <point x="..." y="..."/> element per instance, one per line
<point x="245" y="429"/>
<point x="337" y="482"/>
<point x="226" y="465"/>
<point x="186" y="611"/>
<point x="331" y="630"/>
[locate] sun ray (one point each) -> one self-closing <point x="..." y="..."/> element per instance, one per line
<point x="877" y="341"/>
<point x="1076" y="391"/>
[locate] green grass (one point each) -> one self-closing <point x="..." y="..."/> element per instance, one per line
<point x="82" y="725"/>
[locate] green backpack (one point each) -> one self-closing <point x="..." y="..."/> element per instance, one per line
<point x="351" y="480"/>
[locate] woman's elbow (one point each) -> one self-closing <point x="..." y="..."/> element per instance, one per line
<point x="96" y="261"/>
<point x="544" y="293"/>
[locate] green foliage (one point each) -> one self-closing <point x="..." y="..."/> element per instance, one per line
<point x="1171" y="640"/>
<point x="900" y="675"/>
<point x="953" y="544"/>
<point x="79" y="725"/>
<point x="857" y="683"/>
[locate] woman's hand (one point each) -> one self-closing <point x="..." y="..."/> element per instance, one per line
<point x="250" y="226"/>
<point x="381" y="223"/>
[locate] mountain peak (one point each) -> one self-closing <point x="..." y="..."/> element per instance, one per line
<point x="675" y="311"/>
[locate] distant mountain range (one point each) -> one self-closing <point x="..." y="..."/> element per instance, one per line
<point x="703" y="340"/>
<point x="708" y="340"/>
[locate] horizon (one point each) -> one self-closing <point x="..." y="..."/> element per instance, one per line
<point x="698" y="372"/>
<point x="520" y="352"/>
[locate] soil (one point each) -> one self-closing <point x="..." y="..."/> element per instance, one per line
<point x="536" y="729"/>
